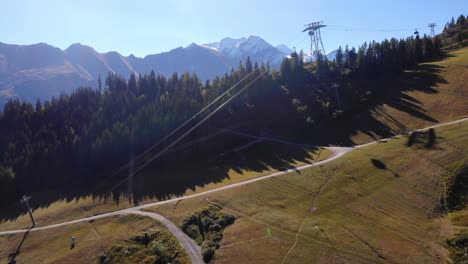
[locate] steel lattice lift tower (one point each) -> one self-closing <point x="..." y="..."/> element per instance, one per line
<point x="432" y="26"/>
<point x="316" y="45"/>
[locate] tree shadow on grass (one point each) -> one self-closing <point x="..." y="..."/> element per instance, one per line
<point x="382" y="166"/>
<point x="258" y="159"/>
<point x="370" y="119"/>
<point x="427" y="139"/>
<point x="379" y="164"/>
<point x="175" y="174"/>
<point x="178" y="172"/>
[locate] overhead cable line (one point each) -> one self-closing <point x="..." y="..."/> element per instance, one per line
<point x="173" y="143"/>
<point x="132" y="162"/>
<point x="372" y="29"/>
<point x="204" y="109"/>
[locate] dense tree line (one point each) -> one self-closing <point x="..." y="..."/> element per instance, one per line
<point x="88" y="133"/>
<point x="388" y="57"/>
<point x="370" y="61"/>
<point x="83" y="136"/>
<point x="455" y="33"/>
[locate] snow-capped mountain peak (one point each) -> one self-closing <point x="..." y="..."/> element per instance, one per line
<point x="226" y="43"/>
<point x="257" y="48"/>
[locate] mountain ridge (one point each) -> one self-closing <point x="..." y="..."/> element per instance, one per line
<point x="41" y="71"/>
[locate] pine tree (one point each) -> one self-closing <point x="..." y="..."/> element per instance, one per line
<point x="241" y="70"/>
<point x="346" y="56"/>
<point x="352" y="58"/>
<point x="301" y="59"/>
<point x="248" y="65"/>
<point x="154" y="90"/>
<point x="428" y="47"/>
<point x="339" y="57"/>
<point x="99" y="83"/>
<point x="418" y="50"/>
<point x="437" y="43"/>
<point x="323" y="69"/>
<point x="38" y="106"/>
<point x="285" y="69"/>
<point x="132" y="84"/>
<point x="461" y="20"/>
<point x="361" y="62"/>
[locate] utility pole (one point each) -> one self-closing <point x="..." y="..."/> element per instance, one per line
<point x="316" y="44"/>
<point x="432" y="26"/>
<point x="337" y="94"/>
<point x="25" y="200"/>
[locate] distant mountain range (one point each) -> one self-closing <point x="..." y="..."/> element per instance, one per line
<point x="41" y="71"/>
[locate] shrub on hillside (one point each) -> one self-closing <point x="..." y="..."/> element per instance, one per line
<point x="206" y="227"/>
<point x="208" y="253"/>
<point x="426" y="139"/>
<point x="412" y="139"/>
<point x="457" y="189"/>
<point x="458" y="247"/>
<point x="153" y="246"/>
<point x="431" y="138"/>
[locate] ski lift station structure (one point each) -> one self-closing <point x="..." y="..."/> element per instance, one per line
<point x="294" y="53"/>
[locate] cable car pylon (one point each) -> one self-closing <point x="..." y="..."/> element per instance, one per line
<point x="316" y="44"/>
<point x="432" y="26"/>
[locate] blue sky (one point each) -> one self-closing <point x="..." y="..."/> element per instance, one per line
<point x="152" y="26"/>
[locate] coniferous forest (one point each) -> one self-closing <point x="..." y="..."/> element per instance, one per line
<point x="83" y="137"/>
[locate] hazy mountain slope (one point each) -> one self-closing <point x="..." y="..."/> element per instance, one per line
<point x="22" y="57"/>
<point x="36" y="71"/>
<point x="118" y="63"/>
<point x="89" y="60"/>
<point x="42" y="71"/>
<point x="139" y="65"/>
<point x="204" y="61"/>
<point x="285" y="49"/>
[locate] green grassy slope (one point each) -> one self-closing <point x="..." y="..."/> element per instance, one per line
<point x="433" y="92"/>
<point x="443" y="101"/>
<point x="427" y="94"/>
<point x="381" y="204"/>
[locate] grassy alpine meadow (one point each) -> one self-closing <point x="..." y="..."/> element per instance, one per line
<point x="94" y="239"/>
<point x="432" y="92"/>
<point x="443" y="99"/>
<point x="379" y="204"/>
